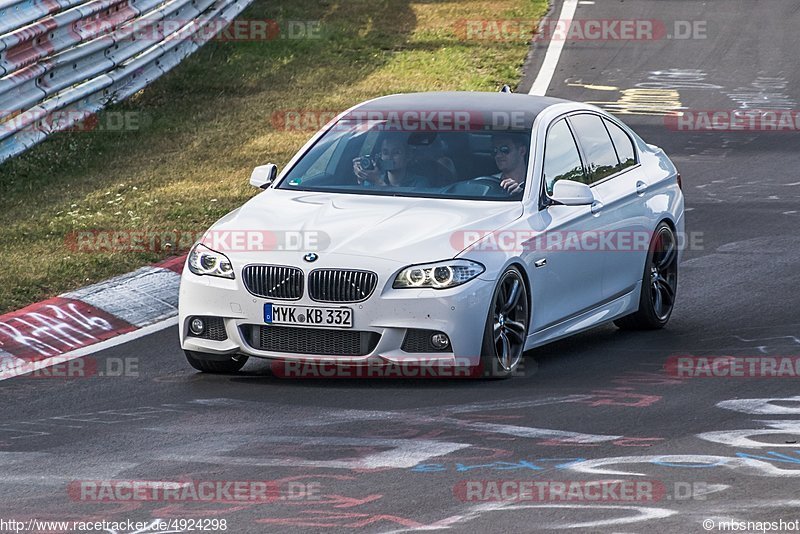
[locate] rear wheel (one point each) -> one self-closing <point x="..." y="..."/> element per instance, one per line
<point x="659" y="283"/>
<point x="506" y="326"/>
<point x="216" y="366"/>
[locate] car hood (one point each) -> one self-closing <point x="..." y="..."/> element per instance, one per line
<point x="401" y="229"/>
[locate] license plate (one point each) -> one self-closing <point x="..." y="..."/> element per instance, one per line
<point x="308" y="316"/>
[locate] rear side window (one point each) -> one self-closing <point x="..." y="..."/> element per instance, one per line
<point x="601" y="159"/>
<point x="561" y="158"/>
<point x="623" y="144"/>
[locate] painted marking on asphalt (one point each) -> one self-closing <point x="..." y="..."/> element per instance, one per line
<point x="505" y="404"/>
<point x="741" y="439"/>
<point x="638" y="513"/>
<point x="592" y="86"/>
<point x="744" y="465"/>
<point x="553" y="54"/>
<point x="32" y="366"/>
<point x="764" y="93"/>
<point x="562" y="436"/>
<point x="55" y="326"/>
<point x="763" y="406"/>
<point x="677" y="79"/>
<point x="57" y="469"/>
<point x="644" y="102"/>
<point x="401" y="453"/>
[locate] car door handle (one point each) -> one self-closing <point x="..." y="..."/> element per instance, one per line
<point x="641" y="187"/>
<point x="596" y="207"/>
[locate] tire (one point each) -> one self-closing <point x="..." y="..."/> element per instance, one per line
<point x="659" y="283"/>
<point x="506" y="327"/>
<point x="206" y="365"/>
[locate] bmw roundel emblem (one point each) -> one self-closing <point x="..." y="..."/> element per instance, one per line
<point x="310" y="257"/>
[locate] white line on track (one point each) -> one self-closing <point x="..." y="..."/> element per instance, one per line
<point x="29" y="367"/>
<point x="553" y="54"/>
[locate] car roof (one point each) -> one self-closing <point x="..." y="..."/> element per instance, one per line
<point x="522" y="107"/>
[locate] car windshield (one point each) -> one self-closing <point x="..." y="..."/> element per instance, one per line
<point x="375" y="158"/>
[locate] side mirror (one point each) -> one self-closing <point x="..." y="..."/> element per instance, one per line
<point x="264" y="175"/>
<point x="571" y="193"/>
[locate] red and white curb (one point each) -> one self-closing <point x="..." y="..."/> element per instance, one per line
<point x="90" y="319"/>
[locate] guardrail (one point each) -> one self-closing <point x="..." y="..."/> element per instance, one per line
<point x="63" y="60"/>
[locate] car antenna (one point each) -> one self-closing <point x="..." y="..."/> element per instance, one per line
<point x="506" y="89"/>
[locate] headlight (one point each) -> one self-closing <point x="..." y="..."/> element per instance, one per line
<point x="204" y="261"/>
<point x="439" y="275"/>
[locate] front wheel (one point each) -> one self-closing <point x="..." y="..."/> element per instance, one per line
<point x="506" y="326"/>
<point x="659" y="283"/>
<point x="207" y="365"/>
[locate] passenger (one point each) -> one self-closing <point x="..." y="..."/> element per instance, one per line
<point x="391" y="168"/>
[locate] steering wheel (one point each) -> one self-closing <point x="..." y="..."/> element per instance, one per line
<point x="492" y="183"/>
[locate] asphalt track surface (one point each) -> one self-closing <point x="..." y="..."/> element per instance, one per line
<point x="390" y="455"/>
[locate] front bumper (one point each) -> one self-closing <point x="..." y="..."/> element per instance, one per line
<point x="459" y="312"/>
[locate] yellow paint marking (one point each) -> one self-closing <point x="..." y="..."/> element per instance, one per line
<point x="594" y="87"/>
<point x="644" y="102"/>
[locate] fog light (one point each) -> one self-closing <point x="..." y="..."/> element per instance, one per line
<point x="197" y="326"/>
<point x="440" y="341"/>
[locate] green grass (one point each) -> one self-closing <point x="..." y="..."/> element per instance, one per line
<point x="205" y="125"/>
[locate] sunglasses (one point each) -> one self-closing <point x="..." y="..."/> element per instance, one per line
<point x="502" y="149"/>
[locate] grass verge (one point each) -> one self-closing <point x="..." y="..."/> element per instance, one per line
<point x="177" y="156"/>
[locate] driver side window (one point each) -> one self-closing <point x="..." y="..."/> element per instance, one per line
<point x="562" y="161"/>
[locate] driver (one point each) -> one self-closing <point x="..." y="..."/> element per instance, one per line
<point x="392" y="167"/>
<point x="511" y="158"/>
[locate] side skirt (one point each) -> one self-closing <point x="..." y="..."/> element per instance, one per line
<point x="604" y="313"/>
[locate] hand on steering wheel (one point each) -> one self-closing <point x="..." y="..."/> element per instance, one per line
<point x="495" y="186"/>
<point x="512" y="186"/>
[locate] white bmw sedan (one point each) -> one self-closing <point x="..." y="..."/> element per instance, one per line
<point x="458" y="228"/>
